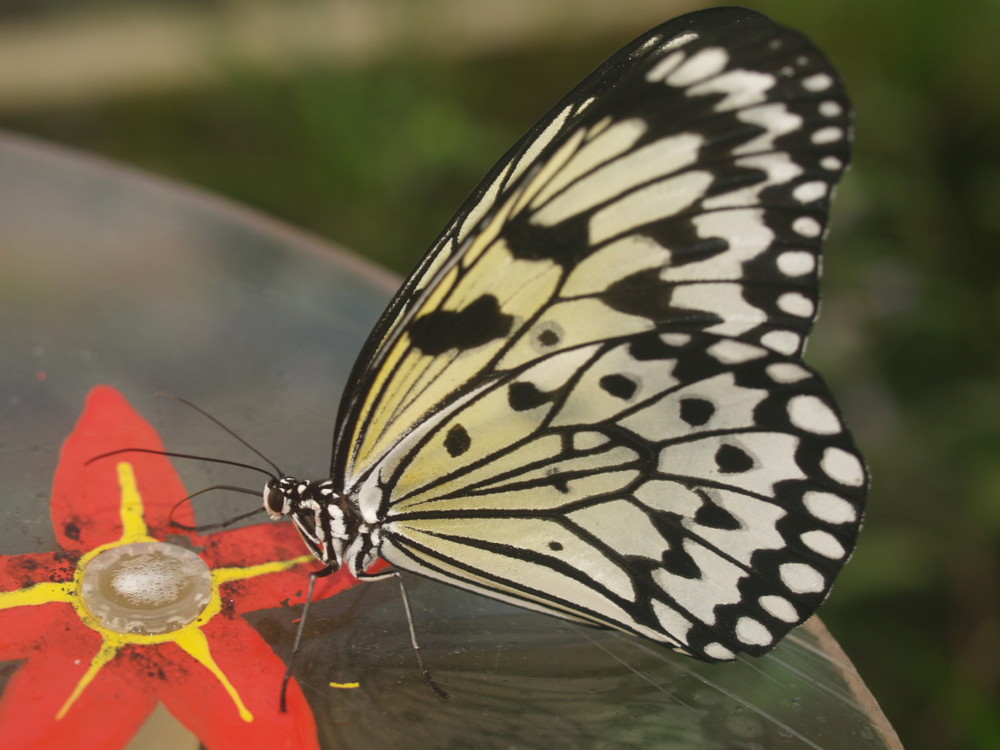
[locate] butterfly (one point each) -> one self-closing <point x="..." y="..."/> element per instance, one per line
<point x="589" y="399"/>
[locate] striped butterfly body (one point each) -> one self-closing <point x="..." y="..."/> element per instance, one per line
<point x="589" y="398"/>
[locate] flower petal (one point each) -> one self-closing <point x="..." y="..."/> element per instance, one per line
<point x="86" y="499"/>
<point x="252" y="545"/>
<point x="203" y="704"/>
<point x="54" y="629"/>
<point x="104" y="715"/>
<point x="22" y="571"/>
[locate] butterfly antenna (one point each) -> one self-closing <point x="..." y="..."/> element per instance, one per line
<point x="173" y="454"/>
<point x="413" y="641"/>
<point x="213" y="526"/>
<point x="230" y="432"/>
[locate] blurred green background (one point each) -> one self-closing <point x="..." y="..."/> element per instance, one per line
<point x="367" y="122"/>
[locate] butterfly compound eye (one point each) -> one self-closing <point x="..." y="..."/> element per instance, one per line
<point x="275" y="502"/>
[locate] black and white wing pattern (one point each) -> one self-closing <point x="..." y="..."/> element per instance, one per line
<point x="589" y="398"/>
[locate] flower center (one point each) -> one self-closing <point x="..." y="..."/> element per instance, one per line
<point x="147" y="588"/>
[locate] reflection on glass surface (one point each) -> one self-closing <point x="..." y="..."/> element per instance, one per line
<point x="113" y="278"/>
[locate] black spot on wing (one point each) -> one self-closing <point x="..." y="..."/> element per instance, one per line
<point x="677" y="561"/>
<point x="457" y="441"/>
<point x="548" y="337"/>
<point x="696" y="411"/>
<point x="565" y="243"/>
<point x="733" y="460"/>
<point x="559" y="481"/>
<point x="476" y="324"/>
<point x="717" y="517"/>
<point x="619" y="386"/>
<point x="525" y="396"/>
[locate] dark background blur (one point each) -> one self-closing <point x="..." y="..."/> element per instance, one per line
<point x="368" y="121"/>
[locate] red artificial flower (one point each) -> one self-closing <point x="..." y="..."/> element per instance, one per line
<point x="88" y="687"/>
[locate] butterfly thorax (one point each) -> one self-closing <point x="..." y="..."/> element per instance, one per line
<point x="328" y="522"/>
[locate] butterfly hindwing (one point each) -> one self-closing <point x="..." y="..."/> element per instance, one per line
<point x="588" y="398"/>
<point x="679" y="491"/>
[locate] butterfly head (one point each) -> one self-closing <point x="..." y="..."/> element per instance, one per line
<point x="323" y="518"/>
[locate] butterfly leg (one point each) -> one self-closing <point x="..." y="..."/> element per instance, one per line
<point x="413" y="641"/>
<point x="298" y="633"/>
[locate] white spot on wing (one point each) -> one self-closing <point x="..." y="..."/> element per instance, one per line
<point x="824" y="543"/>
<point x="718" y="651"/>
<point x="795" y="303"/>
<point x="779" y="607"/>
<point x="675" y="339"/>
<point x="827" y="135"/>
<point x="828" y="507"/>
<point x="830" y="109"/>
<point x="831" y="163"/>
<point x="817" y="82"/>
<point x="787" y="372"/>
<point x="796" y="262"/>
<point x="808" y="192"/>
<point x="783" y="342"/>
<point x="811" y="414"/>
<point x="704" y="63"/>
<point x="730" y="352"/>
<point x="752" y="632"/>
<point x="843" y="467"/>
<point x="807" y="226"/>
<point x="801" y="578"/>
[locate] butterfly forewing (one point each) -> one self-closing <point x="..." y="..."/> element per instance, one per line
<point x="588" y="398"/>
